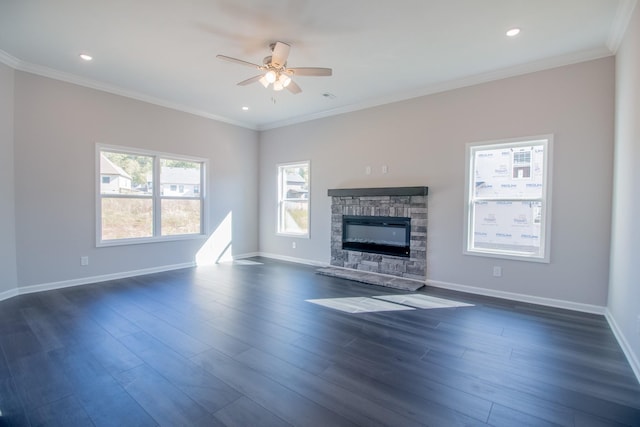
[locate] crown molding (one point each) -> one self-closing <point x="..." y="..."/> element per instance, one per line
<point x="51" y="73"/>
<point x="9" y="60"/>
<point x="517" y="70"/>
<point x="620" y="23"/>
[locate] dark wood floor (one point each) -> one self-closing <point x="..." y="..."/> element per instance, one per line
<point x="238" y="345"/>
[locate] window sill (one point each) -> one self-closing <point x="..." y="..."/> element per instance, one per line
<point x="144" y="240"/>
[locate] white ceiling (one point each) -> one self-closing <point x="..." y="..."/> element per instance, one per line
<point x="163" y="51"/>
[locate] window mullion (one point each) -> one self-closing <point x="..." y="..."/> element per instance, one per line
<point x="157" y="202"/>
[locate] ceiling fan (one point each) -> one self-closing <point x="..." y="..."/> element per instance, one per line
<point x="275" y="70"/>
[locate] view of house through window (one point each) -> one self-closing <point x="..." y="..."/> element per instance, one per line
<point x="131" y="204"/>
<point x="508" y="199"/>
<point x="293" y="198"/>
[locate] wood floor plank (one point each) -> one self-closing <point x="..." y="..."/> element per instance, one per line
<point x="39" y="381"/>
<point x="114" y="356"/>
<point x="204" y="331"/>
<point x="502" y="416"/>
<point x="13" y="413"/>
<point x="518" y="389"/>
<point x="163" y="331"/>
<point x="280" y="400"/>
<point x="344" y="402"/>
<point x="205" y="389"/>
<point x="420" y="408"/>
<point x="245" y="412"/>
<point x="64" y="412"/>
<point x="162" y="400"/>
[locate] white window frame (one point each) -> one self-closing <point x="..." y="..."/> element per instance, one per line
<point x="545" y="199"/>
<point x="282" y="199"/>
<point x="156" y="197"/>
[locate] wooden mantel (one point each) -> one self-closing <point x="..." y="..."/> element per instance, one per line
<point x="382" y="191"/>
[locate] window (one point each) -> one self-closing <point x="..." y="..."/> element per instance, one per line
<point x="137" y="201"/>
<point x="508" y="198"/>
<point x="293" y="199"/>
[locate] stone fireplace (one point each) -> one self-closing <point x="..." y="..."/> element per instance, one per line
<point x="379" y="249"/>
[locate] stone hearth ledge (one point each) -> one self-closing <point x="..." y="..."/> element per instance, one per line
<point x="372" y="278"/>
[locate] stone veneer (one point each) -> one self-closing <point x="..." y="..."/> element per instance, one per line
<point x="408" y="202"/>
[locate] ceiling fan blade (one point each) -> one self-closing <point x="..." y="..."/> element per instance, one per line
<point x="293" y="87"/>
<point x="251" y="80"/>
<point x="310" y="71"/>
<point x="239" y="61"/>
<point x="280" y="54"/>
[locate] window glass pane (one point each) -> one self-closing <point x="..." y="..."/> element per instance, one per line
<point x="513" y="226"/>
<point x="294" y="217"/>
<point x="293" y="203"/>
<point x="295" y="182"/>
<point x="179" y="178"/>
<point x="180" y="217"/>
<point x="509" y="173"/>
<point x="126" y="218"/>
<point x="122" y="173"/>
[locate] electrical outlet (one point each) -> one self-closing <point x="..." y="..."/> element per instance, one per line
<point x="293" y="245"/>
<point x="84" y="260"/>
<point x="385" y="169"/>
<point x="497" y="271"/>
<point x="367" y="170"/>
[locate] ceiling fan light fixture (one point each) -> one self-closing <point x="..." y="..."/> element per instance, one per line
<point x="270" y="76"/>
<point x="277" y="85"/>
<point x="284" y="80"/>
<point x="263" y="81"/>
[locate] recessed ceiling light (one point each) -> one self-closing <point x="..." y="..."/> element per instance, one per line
<point x="245" y="108"/>
<point x="513" y="32"/>
<point x="86" y="57"/>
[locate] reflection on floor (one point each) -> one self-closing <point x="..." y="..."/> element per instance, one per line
<point x="386" y="303"/>
<point x="245" y="262"/>
<point x="422" y="301"/>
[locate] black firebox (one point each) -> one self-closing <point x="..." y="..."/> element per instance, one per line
<point x="387" y="235"/>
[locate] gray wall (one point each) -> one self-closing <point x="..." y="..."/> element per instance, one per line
<point x="422" y="141"/>
<point x="624" y="286"/>
<point x="56" y="128"/>
<point x="8" y="274"/>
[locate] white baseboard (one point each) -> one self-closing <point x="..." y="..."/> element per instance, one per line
<point x="550" y="302"/>
<point x="247" y="255"/>
<point x="102" y="278"/>
<point x="21" y="290"/>
<point x="8" y="294"/>
<point x="626" y="348"/>
<point x="293" y="259"/>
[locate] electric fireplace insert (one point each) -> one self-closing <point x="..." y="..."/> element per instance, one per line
<point x="387" y="235"/>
